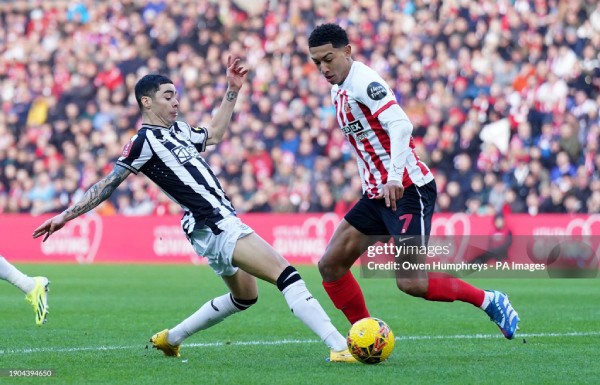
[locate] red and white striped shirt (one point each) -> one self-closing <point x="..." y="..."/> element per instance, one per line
<point x="371" y="119"/>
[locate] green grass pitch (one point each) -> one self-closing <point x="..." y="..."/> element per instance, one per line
<point x="101" y="317"/>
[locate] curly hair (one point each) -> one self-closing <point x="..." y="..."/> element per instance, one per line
<point x="326" y="34"/>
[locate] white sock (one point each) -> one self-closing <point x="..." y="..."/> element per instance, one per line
<point x="211" y="313"/>
<point x="11" y="274"/>
<point x="309" y="310"/>
<point x="489" y="296"/>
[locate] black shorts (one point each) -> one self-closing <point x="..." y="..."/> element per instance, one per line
<point x="412" y="216"/>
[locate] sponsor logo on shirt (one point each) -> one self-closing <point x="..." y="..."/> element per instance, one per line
<point x="376" y="91"/>
<point x="355" y="128"/>
<point x="185" y="153"/>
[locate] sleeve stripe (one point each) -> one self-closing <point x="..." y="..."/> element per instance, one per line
<point x="130" y="168"/>
<point x="202" y="145"/>
<point x="384" y="107"/>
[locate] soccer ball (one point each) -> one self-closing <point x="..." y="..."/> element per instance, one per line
<point x="370" y="340"/>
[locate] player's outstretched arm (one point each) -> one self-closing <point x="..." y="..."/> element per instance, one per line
<point x="236" y="75"/>
<point x="92" y="198"/>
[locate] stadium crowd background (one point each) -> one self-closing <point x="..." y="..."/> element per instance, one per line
<point x="528" y="72"/>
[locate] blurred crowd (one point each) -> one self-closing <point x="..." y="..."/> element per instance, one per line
<point x="503" y="96"/>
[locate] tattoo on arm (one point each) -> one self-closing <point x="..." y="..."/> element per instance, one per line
<point x="98" y="192"/>
<point x="231" y="95"/>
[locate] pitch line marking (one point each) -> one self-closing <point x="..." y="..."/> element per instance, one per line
<point x="292" y="342"/>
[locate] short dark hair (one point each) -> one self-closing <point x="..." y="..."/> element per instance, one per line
<point x="326" y="34"/>
<point x="149" y="85"/>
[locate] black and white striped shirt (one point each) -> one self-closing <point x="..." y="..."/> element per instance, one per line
<point x="171" y="159"/>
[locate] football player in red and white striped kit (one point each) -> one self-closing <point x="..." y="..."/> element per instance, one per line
<point x="399" y="190"/>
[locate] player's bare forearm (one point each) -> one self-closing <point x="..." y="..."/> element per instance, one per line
<point x="236" y="75"/>
<point x="98" y="193"/>
<point x="92" y="198"/>
<point x="221" y="120"/>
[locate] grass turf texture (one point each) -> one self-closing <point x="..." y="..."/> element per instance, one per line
<point x="103" y="315"/>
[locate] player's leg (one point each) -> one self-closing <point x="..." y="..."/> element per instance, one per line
<point x="345" y="247"/>
<point x="415" y="212"/>
<point x="347" y="244"/>
<point x="411" y="226"/>
<point x="255" y="256"/>
<point x="13" y="275"/>
<point x="243" y="293"/>
<point x="35" y="288"/>
<point x="237" y="246"/>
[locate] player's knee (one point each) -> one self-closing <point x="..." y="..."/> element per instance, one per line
<point x="244" y="304"/>
<point x="412" y="286"/>
<point x="324" y="268"/>
<point x="330" y="271"/>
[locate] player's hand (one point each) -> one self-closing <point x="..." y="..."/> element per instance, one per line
<point x="391" y="192"/>
<point x="50" y="226"/>
<point x="236" y="74"/>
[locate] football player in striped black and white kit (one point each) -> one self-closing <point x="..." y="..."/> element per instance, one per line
<point x="168" y="152"/>
<point x="399" y="191"/>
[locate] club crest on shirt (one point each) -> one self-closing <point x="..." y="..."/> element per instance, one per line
<point x="347" y="108"/>
<point x="376" y="91"/>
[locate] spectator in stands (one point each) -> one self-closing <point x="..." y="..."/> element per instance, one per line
<point x="454" y="67"/>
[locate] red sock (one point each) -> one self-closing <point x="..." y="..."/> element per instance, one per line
<point x="446" y="288"/>
<point x="346" y="295"/>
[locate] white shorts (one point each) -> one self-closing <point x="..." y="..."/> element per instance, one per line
<point x="218" y="249"/>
